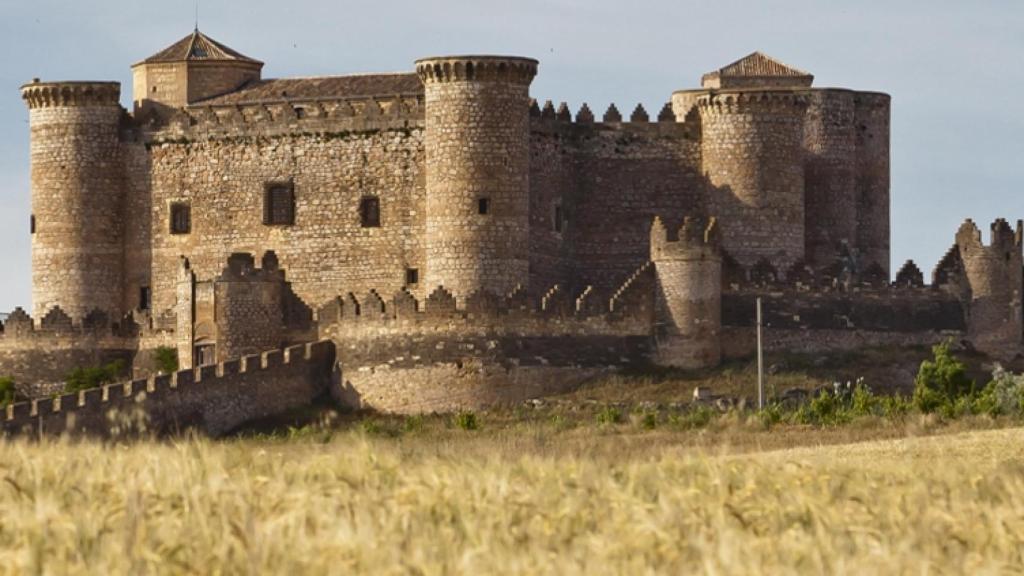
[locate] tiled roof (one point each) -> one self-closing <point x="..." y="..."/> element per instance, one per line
<point x="197" y="46"/>
<point x="325" y="87"/>
<point x="758" y="64"/>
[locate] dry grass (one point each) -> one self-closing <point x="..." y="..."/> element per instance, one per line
<point x="518" y="499"/>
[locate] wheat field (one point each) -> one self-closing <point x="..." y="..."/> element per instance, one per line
<point x="465" y="504"/>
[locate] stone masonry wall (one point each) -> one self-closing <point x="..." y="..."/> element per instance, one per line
<point x="400" y="356"/>
<point x="221" y="166"/>
<point x="611" y="178"/>
<point x="213" y="399"/>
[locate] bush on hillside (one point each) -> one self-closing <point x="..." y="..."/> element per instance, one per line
<point x="941" y="382"/>
<point x="93" y="377"/>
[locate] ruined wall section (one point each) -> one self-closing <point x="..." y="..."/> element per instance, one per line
<point x="872" y="122"/>
<point x="994" y="280"/>
<point x="213" y="399"/>
<point x="77" y="196"/>
<point x="752" y="152"/>
<point x="478" y="169"/>
<point x="220" y="160"/>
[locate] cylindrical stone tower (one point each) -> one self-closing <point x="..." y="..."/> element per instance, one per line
<point x="830" y="176"/>
<point x="994" y="316"/>
<point x="77" y="197"/>
<point x="477" y="149"/>
<point x="872" y="125"/>
<point x="688" y="303"/>
<point x="752" y="149"/>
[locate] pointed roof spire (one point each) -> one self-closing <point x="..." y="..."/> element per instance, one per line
<point x="198" y="46"/>
<point x="757" y="70"/>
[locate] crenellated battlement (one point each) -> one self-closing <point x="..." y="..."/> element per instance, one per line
<point x="20" y="327"/>
<point x="273" y="381"/>
<point x="696" y="238"/>
<point x="1002" y="237"/>
<point x="71" y="94"/>
<point x="752" y="101"/>
<point x="446" y="69"/>
<point x="328" y="116"/>
<point x="560" y="119"/>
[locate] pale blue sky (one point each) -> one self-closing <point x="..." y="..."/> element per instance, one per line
<point x="954" y="69"/>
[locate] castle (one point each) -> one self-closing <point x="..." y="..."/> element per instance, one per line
<point x="461" y="244"/>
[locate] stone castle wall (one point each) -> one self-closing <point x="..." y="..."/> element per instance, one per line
<point x="39" y="356"/>
<point x="598" y="172"/>
<point x="213" y="399"/>
<point x="399" y="355"/>
<point x="220" y="166"/>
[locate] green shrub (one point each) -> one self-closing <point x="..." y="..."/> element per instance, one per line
<point x="649" y="421"/>
<point x="863" y="402"/>
<point x="940" y="382"/>
<point x="696" y="417"/>
<point x="7" y="391"/>
<point x="466" y="421"/>
<point x="771" y="415"/>
<point x="609" y="415"/>
<point x="166" y="359"/>
<point x="1004" y="395"/>
<point x="412" y="423"/>
<point x="86" y="378"/>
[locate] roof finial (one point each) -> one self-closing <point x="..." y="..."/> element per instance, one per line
<point x="197" y="16"/>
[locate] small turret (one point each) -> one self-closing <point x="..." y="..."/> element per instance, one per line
<point x="994" y="286"/>
<point x="688" y="304"/>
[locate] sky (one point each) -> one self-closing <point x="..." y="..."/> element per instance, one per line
<point x="953" y="68"/>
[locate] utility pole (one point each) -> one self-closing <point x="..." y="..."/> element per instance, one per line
<point x="760" y="359"/>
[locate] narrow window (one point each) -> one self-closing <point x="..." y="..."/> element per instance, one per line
<point x="300" y="113"/>
<point x="279" y="205"/>
<point x="369" y="212"/>
<point x="412" y="276"/>
<point x="559" y="217"/>
<point x="181" y="218"/>
<point x="32" y="224"/>
<point x="484" y="205"/>
<point x="144" y="298"/>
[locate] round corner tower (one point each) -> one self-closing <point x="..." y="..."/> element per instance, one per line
<point x="752" y="150"/>
<point x="872" y="124"/>
<point x="77" y="247"/>
<point x="477" y="176"/>
<point x="688" y="302"/>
